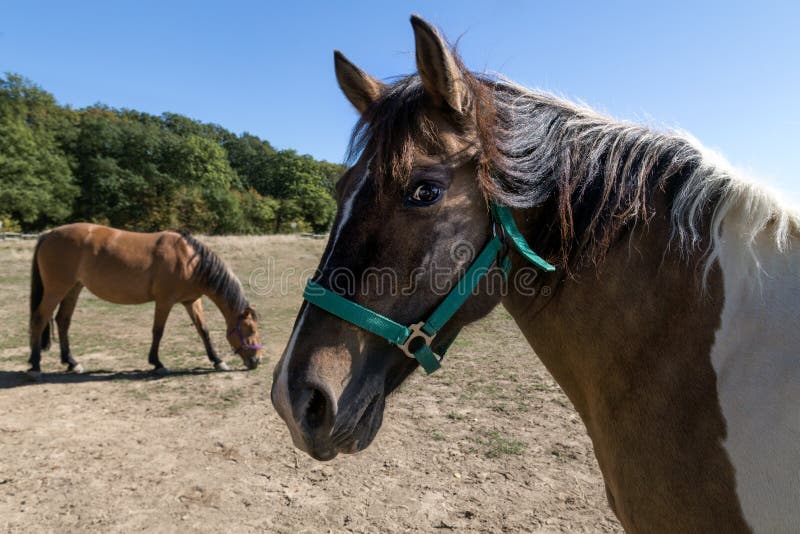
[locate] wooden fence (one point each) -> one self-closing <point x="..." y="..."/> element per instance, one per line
<point x="16" y="236"/>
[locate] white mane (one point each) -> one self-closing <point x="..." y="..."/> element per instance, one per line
<point x="755" y="208"/>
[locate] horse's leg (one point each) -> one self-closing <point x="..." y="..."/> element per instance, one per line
<point x="195" y="310"/>
<point x="162" y="312"/>
<point x="63" y="320"/>
<point x="40" y="319"/>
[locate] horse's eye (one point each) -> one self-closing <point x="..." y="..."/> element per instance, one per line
<point x="425" y="194"/>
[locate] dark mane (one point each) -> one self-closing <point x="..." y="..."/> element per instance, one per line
<point x="600" y="176"/>
<point x="212" y="271"/>
<point x="592" y="176"/>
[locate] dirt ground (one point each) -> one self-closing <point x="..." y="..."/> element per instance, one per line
<point x="488" y="443"/>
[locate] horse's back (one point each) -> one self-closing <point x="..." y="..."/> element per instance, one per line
<point x="757" y="360"/>
<point x="116" y="265"/>
<point x="91" y="235"/>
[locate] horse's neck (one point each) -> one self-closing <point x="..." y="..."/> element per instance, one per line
<point x="630" y="345"/>
<point x="225" y="308"/>
<point x="641" y="306"/>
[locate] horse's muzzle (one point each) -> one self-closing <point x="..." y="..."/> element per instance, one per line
<point x="326" y="431"/>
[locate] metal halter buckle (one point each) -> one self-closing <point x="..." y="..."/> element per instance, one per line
<point x="415" y="333"/>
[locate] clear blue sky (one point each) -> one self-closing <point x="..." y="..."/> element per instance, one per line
<point x="728" y="72"/>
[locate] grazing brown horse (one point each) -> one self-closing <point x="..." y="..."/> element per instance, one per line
<point x="671" y="320"/>
<point x="133" y="268"/>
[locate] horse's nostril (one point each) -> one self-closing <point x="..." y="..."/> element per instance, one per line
<point x="317" y="409"/>
<point x="313" y="409"/>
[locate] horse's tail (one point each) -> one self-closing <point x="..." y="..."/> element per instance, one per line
<point x="37" y="293"/>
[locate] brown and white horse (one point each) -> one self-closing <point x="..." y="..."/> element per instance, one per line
<point x="671" y="322"/>
<point x="134" y="268"/>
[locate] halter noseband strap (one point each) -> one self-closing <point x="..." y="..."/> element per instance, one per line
<point x="245" y="345"/>
<point x="416" y="340"/>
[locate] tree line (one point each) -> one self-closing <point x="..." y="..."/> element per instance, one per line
<point x="146" y="172"/>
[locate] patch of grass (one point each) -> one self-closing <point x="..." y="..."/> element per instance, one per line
<point x="496" y="445"/>
<point x="502" y="408"/>
<point x="537" y="386"/>
<point x="453" y="416"/>
<point x="138" y="394"/>
<point x="180" y="407"/>
<point x="468" y="394"/>
<point x="230" y="398"/>
<point x="494" y="391"/>
<point x="438" y="436"/>
<point x="16" y="346"/>
<point x="15" y="280"/>
<point x="563" y="453"/>
<point x="481" y="390"/>
<point x="443" y="379"/>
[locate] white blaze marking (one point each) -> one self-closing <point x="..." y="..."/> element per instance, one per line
<point x="284" y="404"/>
<point x="347" y="209"/>
<point x="756" y="356"/>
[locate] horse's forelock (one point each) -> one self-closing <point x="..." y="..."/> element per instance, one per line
<point x="390" y="129"/>
<point x="398" y="125"/>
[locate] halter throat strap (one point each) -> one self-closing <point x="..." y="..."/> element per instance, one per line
<point x="502" y="216"/>
<point x="416" y="340"/>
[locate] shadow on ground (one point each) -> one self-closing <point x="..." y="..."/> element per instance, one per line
<point x="14" y="379"/>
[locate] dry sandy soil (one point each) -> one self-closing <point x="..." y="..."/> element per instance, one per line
<point x="488" y="443"/>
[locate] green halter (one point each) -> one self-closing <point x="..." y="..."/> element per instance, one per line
<point x="422" y="334"/>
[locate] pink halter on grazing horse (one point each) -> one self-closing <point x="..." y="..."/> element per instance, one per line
<point x="671" y="319"/>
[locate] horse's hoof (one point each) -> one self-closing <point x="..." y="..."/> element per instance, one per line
<point x="161" y="371"/>
<point x="77" y="368"/>
<point x="221" y="366"/>
<point x="35" y="376"/>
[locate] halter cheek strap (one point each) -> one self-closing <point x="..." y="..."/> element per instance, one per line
<point x="244" y="344"/>
<point x="416" y="340"/>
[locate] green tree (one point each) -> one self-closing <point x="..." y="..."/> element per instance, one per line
<point x="260" y="213"/>
<point x="147" y="172"/>
<point x="36" y="182"/>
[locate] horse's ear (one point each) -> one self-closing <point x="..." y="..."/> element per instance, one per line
<point x="437" y="66"/>
<point x="360" y="88"/>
